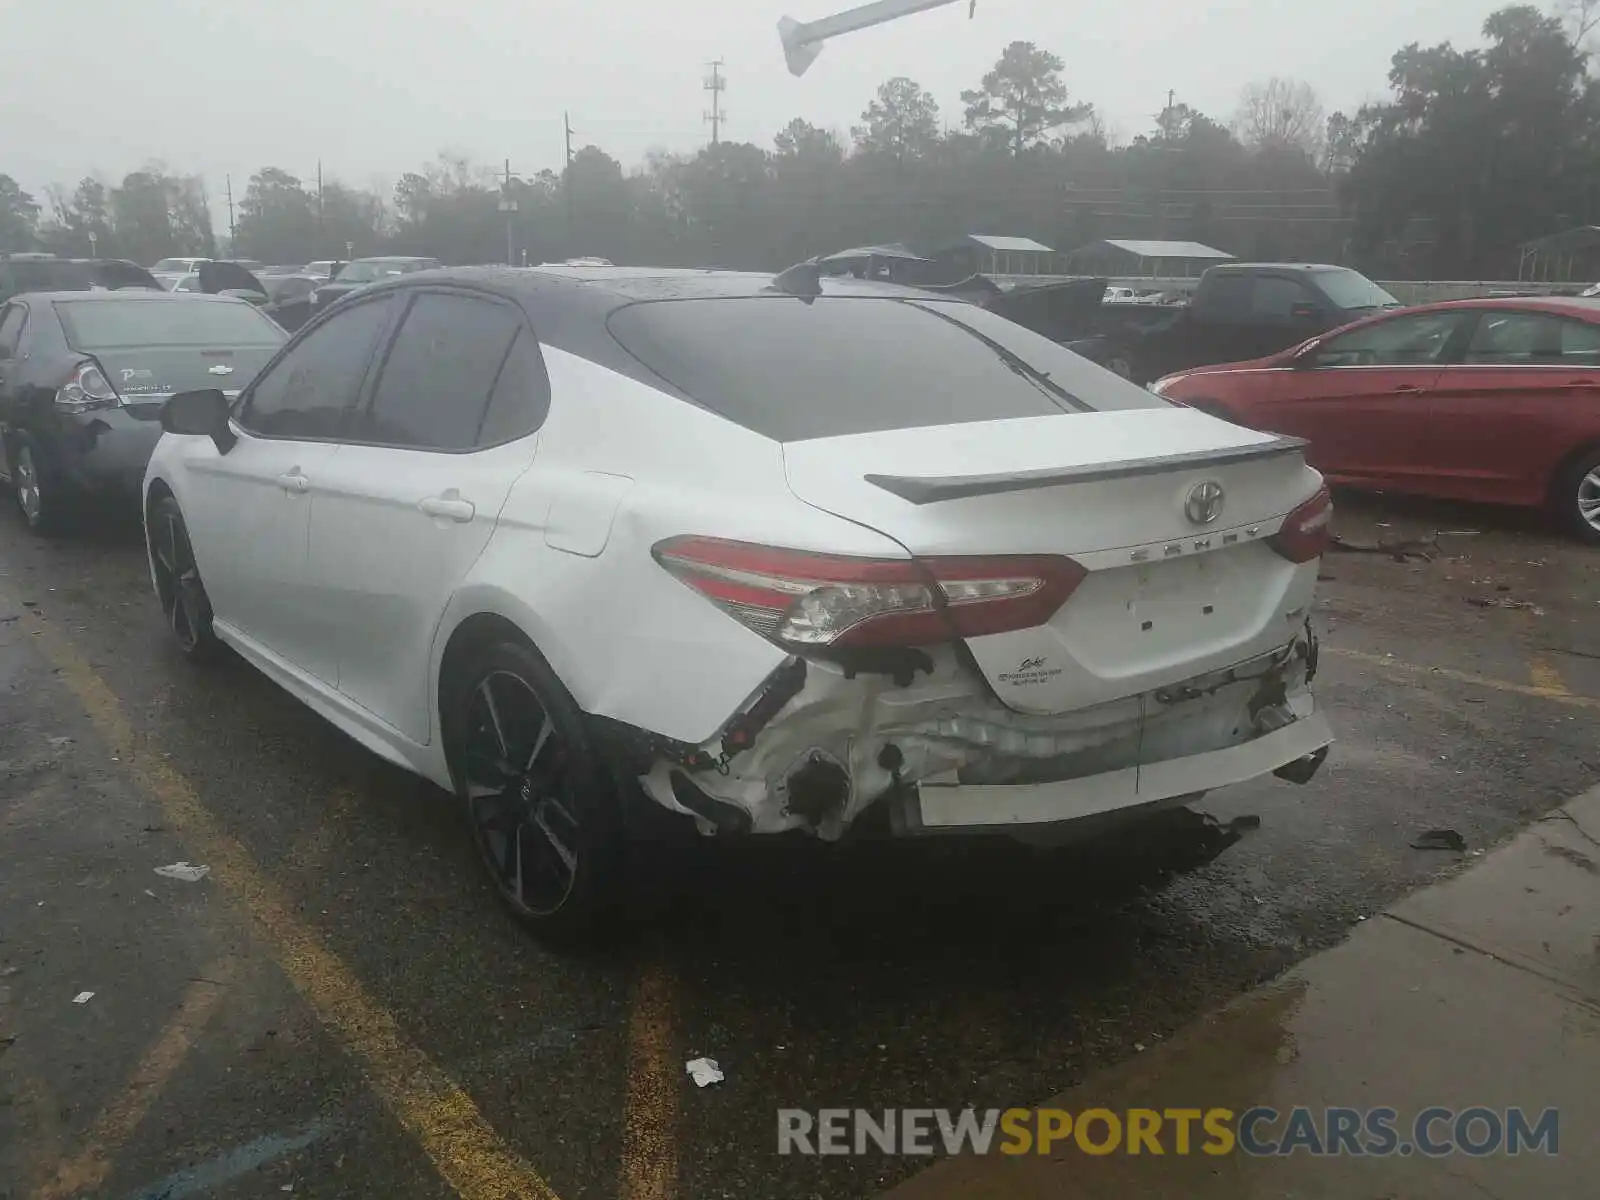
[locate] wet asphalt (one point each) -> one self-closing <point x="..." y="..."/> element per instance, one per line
<point x="926" y="974"/>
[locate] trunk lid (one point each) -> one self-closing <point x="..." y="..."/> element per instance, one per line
<point x="149" y="374"/>
<point x="1166" y="597"/>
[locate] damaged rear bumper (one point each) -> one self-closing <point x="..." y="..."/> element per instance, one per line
<point x="942" y="753"/>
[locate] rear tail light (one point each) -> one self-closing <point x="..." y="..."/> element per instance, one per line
<point x="87" y="388"/>
<point x="1304" y="535"/>
<point x="816" y="601"/>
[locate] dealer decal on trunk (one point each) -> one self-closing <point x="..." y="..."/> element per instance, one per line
<point x="1030" y="671"/>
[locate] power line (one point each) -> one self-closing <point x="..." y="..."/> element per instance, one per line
<point x="716" y="85"/>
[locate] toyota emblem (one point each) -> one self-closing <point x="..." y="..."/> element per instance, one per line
<point x="1204" y="504"/>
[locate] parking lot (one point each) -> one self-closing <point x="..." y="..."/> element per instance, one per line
<point x="339" y="1008"/>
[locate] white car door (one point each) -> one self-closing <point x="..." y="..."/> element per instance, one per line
<point x="248" y="510"/>
<point x="415" y="490"/>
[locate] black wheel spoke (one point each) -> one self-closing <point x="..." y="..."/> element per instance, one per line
<point x="543" y="823"/>
<point x="514" y="767"/>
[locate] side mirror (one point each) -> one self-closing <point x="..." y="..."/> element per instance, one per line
<point x="200" y="413"/>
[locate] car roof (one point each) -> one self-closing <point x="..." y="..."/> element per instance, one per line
<point x="1224" y="268"/>
<point x="613" y="287"/>
<point x="1584" y="307"/>
<point x="134" y="295"/>
<point x="383" y="258"/>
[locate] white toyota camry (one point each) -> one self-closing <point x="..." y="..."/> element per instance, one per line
<point x="774" y="554"/>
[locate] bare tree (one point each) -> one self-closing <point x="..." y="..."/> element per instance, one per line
<point x="1282" y="114"/>
<point x="1581" y="18"/>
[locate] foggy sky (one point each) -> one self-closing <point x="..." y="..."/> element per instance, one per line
<point x="378" y="87"/>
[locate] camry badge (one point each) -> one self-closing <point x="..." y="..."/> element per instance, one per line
<point x="1204" y="504"/>
<point x="220" y="369"/>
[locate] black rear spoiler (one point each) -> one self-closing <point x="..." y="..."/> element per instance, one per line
<point x="922" y="490"/>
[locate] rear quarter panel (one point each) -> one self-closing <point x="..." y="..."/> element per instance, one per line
<point x="620" y="467"/>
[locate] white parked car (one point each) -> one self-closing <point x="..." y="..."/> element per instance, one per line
<point x="769" y="553"/>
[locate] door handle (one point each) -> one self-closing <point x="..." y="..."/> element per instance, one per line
<point x="294" y="482"/>
<point x="450" y="506"/>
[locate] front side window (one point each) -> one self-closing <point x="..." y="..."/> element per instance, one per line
<point x="306" y="393"/>
<point x="1274" y="297"/>
<point x="1413" y="340"/>
<point x="433" y="389"/>
<point x="1533" y="339"/>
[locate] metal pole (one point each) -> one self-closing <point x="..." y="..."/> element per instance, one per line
<point x="802" y="40"/>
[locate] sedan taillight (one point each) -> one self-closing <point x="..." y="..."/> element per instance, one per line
<point x="86" y="388"/>
<point x="815" y="601"/>
<point x="1305" y="531"/>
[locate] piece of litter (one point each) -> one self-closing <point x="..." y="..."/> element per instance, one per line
<point x="83" y="997"/>
<point x="151" y="894"/>
<point x="288" y="1187"/>
<point x="60" y="742"/>
<point x="187" y="872"/>
<point x="703" y="1071"/>
<point x="1439" y="839"/>
<point x="1138" y="1047"/>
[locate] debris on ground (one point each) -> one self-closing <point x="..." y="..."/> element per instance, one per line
<point x="83" y="997"/>
<point x="703" y="1071"/>
<point x="1399" y="549"/>
<point x="1245" y="821"/>
<point x="1439" y="839"/>
<point x="1505" y="602"/>
<point x="186" y="872"/>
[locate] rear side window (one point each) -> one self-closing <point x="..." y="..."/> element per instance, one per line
<point x="793" y="371"/>
<point x="1224" y="296"/>
<point x="521" y="395"/>
<point x="435" y="383"/>
<point x="1529" y="338"/>
<point x="12" y="318"/>
<point x="305" y="393"/>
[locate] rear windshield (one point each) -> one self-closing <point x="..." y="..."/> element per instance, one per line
<point x="110" y="324"/>
<point x="1351" y="289"/>
<point x="50" y="276"/>
<point x="371" y="272"/>
<point x="793" y="371"/>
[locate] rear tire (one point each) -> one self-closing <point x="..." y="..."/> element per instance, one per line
<point x="35" y="487"/>
<point x="182" y="593"/>
<point x="1575" y="496"/>
<point x="542" y="809"/>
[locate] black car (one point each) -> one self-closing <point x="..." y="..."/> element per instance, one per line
<point x="363" y="271"/>
<point x="47" y="273"/>
<point x="83" y="376"/>
<point x="289" y="299"/>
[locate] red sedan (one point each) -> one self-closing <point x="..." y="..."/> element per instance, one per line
<point x="1491" y="400"/>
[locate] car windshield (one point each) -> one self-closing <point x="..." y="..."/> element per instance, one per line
<point x="370" y="272"/>
<point x="793" y="371"/>
<point x="112" y="324"/>
<point x="1351" y="289"/>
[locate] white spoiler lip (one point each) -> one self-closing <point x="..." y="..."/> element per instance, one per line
<point x="931" y="490"/>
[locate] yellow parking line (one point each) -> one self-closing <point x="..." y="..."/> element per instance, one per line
<point x="1561" y="696"/>
<point x="468" y="1154"/>
<point x="1545" y="676"/>
<point x="89" y="1168"/>
<point x="649" y="1121"/>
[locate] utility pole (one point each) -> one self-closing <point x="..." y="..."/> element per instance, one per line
<point x="319" y="206"/>
<point x="716" y="85"/>
<point x="508" y="205"/>
<point x="233" y="236"/>
<point x="566" y="125"/>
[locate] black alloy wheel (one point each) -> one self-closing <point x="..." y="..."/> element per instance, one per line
<point x="184" y="602"/>
<point x="541" y="809"/>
